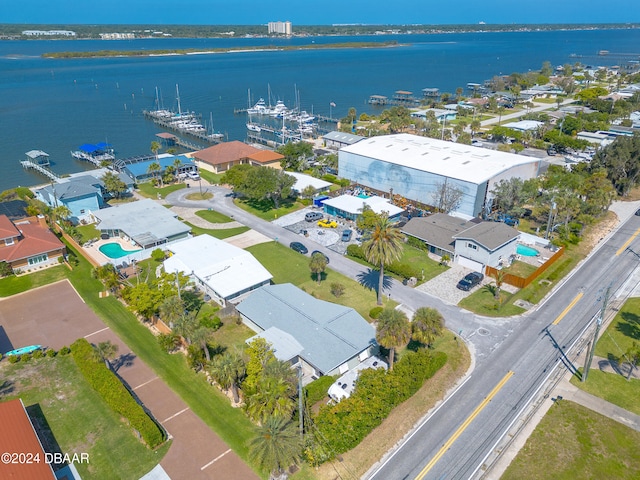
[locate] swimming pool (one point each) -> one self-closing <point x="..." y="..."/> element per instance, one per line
<point x="114" y="250"/>
<point x="526" y="251"/>
<point x="362" y="195"/>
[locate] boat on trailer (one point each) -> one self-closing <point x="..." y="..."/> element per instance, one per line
<point x="23" y="350"/>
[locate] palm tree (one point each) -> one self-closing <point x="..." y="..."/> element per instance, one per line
<point x="61" y="212"/>
<point x="274" y="396"/>
<point x="383" y="246"/>
<point x="275" y="447"/>
<point x="154" y="169"/>
<point x="393" y="330"/>
<point x="171" y="309"/>
<point x="498" y="276"/>
<point x="229" y="370"/>
<point x="185" y="325"/>
<point x="105" y="351"/>
<point x="318" y="264"/>
<point x="426" y="325"/>
<point x="155" y="147"/>
<point x="201" y="336"/>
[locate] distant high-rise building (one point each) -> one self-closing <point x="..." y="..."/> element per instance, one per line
<point x="281" y="28"/>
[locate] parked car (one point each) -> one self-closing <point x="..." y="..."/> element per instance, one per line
<point x="313" y="216"/>
<point x="469" y="281"/>
<point x="476" y="143"/>
<point x="638" y="212"/>
<point x="326" y="223"/>
<point x="298" y="247"/>
<point x="320" y="253"/>
<point x="346" y="235"/>
<point x="194" y="176"/>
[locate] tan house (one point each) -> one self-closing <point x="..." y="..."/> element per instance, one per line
<point x="266" y="158"/>
<point x="220" y="158"/>
<point x="28" y="243"/>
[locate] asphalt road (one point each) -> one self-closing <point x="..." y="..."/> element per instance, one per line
<point x="512" y="357"/>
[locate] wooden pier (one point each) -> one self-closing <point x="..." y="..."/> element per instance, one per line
<point x="44" y="170"/>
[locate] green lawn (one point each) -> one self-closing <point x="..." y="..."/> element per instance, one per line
<point x="148" y="190"/>
<point x="574" y="442"/>
<point x="520" y="269"/>
<point x="483" y="302"/>
<point x="264" y="209"/>
<point x="622" y="332"/>
<point x="217" y="233"/>
<point x="13" y="284"/>
<point x="613" y="388"/>
<point x="88" y="232"/>
<point x="419" y="259"/>
<point x="288" y="266"/>
<point x="196" y="196"/>
<point x="212" y="178"/>
<point x="213" y="217"/>
<point x="54" y="390"/>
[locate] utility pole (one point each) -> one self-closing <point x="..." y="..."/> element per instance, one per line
<point x="300" y="403"/>
<point x="589" y="359"/>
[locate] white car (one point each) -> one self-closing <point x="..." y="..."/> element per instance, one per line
<point x="194" y="176"/>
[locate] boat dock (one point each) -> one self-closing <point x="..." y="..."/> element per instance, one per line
<point x="171" y="124"/>
<point x="39" y="161"/>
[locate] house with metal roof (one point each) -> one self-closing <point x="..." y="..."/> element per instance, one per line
<point x="304" y="181"/>
<point x="338" y="140"/>
<point x="145" y="223"/>
<point x="139" y="172"/>
<point x="473" y="244"/>
<point x="419" y="167"/>
<point x="223" y="271"/>
<point x="350" y="206"/>
<point x="322" y="337"/>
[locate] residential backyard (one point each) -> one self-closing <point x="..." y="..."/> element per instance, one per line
<point x="265" y="210"/>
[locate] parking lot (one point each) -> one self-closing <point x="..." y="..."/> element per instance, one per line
<point x="327" y="237"/>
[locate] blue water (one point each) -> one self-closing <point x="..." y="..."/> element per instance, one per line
<point x="114" y="250"/>
<point x="526" y="251"/>
<point x="56" y="105"/>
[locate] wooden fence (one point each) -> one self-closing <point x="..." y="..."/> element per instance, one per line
<point x="520" y="282"/>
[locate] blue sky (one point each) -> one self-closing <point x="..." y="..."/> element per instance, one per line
<point x="248" y="12"/>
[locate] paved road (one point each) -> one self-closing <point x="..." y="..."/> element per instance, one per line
<point x="512" y="357"/>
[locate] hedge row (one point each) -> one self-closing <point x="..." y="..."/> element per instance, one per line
<point x="115" y="394"/>
<point x="345" y="424"/>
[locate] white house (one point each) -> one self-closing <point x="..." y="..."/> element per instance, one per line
<point x="223" y="271"/>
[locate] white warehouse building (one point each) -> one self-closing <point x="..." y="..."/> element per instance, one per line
<point x="414" y="167"/>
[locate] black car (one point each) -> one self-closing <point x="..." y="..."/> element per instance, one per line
<point x="298" y="247"/>
<point x="318" y="251"/>
<point x="469" y="281"/>
<point x="638" y="212"/>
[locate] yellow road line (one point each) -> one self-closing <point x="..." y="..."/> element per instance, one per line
<point x="628" y="242"/>
<point x="463" y="427"/>
<point x="569" y="307"/>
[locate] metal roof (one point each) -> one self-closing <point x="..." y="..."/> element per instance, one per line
<point x="144" y="218"/>
<point x="475" y="165"/>
<point x="330" y="334"/>
<point x="225" y="268"/>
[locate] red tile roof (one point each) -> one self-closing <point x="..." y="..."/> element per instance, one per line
<point x="35" y="240"/>
<point x="7" y="229"/>
<point x="19" y="437"/>
<point x="226" y="152"/>
<point x="266" y="156"/>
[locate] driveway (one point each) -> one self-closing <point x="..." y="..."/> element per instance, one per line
<point x="444" y="285"/>
<point x="55" y="316"/>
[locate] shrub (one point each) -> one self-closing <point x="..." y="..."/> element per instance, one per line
<point x="195" y="357"/>
<point x="64" y="350"/>
<point x="317" y="390"/>
<point x="5" y="269"/>
<point x="403" y="270"/>
<point x="329" y="178"/>
<point x="355" y="251"/>
<point x="416" y="243"/>
<point x="305" y="201"/>
<point x="169" y="342"/>
<point x="337" y="289"/>
<point x="51" y="353"/>
<point x="375" y="312"/>
<point x="14" y="358"/>
<point x="25" y="357"/>
<point x="114" y="393"/>
<point x="157" y="255"/>
<point x="211" y="321"/>
<point x="38" y="354"/>
<point x="343" y="426"/>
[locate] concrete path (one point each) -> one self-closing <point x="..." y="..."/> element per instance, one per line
<point x="189" y="214"/>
